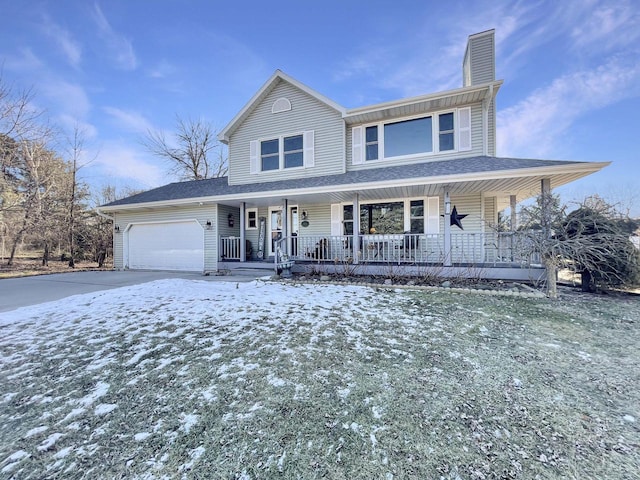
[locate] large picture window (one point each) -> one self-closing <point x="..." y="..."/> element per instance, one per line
<point x="408" y="138"/>
<point x="388" y="218"/>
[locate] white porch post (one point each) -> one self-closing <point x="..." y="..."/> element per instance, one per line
<point x="285" y="226"/>
<point x="447" y="229"/>
<point x="514" y="223"/>
<point x="243" y="243"/>
<point x="356" y="229"/>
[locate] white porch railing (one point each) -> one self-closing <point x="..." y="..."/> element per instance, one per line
<point x="466" y="248"/>
<point x="230" y="248"/>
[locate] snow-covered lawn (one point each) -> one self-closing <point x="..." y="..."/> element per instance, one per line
<point x="193" y="379"/>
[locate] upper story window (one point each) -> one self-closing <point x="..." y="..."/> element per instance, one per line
<point x="371" y="146"/>
<point x="270" y="154"/>
<point x="408" y="137"/>
<point x="446" y="137"/>
<point x="293" y="151"/>
<point x="439" y="132"/>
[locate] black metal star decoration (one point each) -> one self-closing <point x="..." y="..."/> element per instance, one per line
<point x="456" y="218"/>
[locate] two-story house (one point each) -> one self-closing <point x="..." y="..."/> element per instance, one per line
<point x="413" y="182"/>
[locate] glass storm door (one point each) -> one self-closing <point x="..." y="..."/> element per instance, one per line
<point x="274" y="227"/>
<point x="293" y="228"/>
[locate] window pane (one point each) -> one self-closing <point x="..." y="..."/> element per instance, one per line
<point x="348" y="212"/>
<point x="271" y="163"/>
<point x="293" y="159"/>
<point x="417" y="225"/>
<point x="417" y="208"/>
<point x="446" y="141"/>
<point x="293" y="143"/>
<point x="269" y="147"/>
<point x="372" y="151"/>
<point x="446" y="122"/>
<point x="408" y="137"/>
<point x="383" y="217"/>
<point x="372" y="134"/>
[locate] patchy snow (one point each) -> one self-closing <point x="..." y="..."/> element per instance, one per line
<point x="36" y="431"/>
<point x="188" y="421"/>
<point x="50" y="442"/>
<point x="180" y="375"/>
<point x="105" y="408"/>
<point x="140" y="436"/>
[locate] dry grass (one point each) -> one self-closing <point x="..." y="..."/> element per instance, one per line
<point x="26" y="266"/>
<point x="324" y="382"/>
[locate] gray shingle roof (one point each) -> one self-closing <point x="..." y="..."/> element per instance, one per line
<point x="219" y="187"/>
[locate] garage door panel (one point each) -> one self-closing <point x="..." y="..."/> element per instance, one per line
<point x="166" y="246"/>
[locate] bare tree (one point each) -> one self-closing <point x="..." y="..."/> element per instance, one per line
<point x="592" y="240"/>
<point x="194" y="154"/>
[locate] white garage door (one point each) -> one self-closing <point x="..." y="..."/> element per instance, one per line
<point x="167" y="246"/>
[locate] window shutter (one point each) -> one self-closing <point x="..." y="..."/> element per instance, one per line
<point x="432" y="215"/>
<point x="253" y="157"/>
<point x="336" y="219"/>
<point x="357" y="150"/>
<point x="464" y="129"/>
<point x="308" y="148"/>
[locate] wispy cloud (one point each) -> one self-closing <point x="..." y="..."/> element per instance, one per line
<point x="69" y="98"/>
<point x="430" y="59"/>
<point x="129" y="120"/>
<point x="70" y="122"/>
<point x="25" y="60"/>
<point x="118" y="160"/>
<point x="607" y="24"/>
<point x="162" y="70"/>
<point x="535" y="125"/>
<point x="70" y="48"/>
<point x="120" y="47"/>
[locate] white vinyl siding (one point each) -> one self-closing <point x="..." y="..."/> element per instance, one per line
<point x="324" y="129"/>
<point x="482" y="59"/>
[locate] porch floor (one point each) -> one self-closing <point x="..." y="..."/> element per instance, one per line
<point x="498" y="270"/>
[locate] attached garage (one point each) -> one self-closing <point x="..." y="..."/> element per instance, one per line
<point x="175" y="245"/>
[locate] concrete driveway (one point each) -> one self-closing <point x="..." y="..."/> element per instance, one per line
<point x="24" y="291"/>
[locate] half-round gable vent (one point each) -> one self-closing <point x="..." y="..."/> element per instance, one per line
<point x="281" y="105"/>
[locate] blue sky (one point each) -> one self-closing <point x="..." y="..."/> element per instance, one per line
<point x="120" y="67"/>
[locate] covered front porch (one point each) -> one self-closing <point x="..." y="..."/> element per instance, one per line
<point x="445" y="224"/>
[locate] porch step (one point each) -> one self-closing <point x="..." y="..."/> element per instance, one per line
<point x="251" y="272"/>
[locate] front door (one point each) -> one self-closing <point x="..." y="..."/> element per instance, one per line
<point x="274" y="227"/>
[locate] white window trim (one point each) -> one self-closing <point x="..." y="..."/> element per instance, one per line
<point x="246" y="218"/>
<point x="308" y="152"/>
<point x="360" y="149"/>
